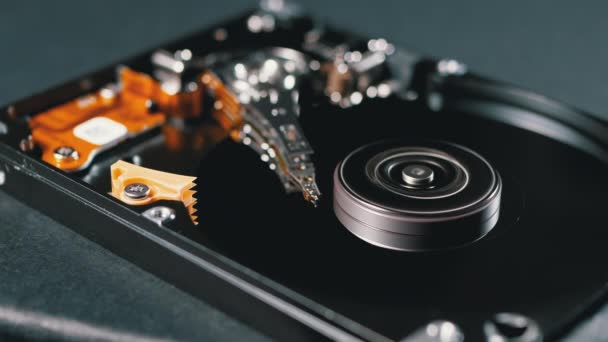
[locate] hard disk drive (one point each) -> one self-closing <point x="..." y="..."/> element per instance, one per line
<point x="317" y="184"/>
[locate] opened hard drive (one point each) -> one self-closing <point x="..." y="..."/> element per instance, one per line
<point x="318" y="184"/>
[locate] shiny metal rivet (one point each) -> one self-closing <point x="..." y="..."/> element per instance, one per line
<point x="66" y="153"/>
<point x="512" y="327"/>
<point x="417" y="175"/>
<point x="451" y="67"/>
<point x="160" y="214"/>
<point x="137" y="191"/>
<point x="436" y="331"/>
<point x="27" y="144"/>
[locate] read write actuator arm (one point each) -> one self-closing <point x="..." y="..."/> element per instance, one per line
<point x="265" y="83"/>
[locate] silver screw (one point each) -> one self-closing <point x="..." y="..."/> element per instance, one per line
<point x="137" y="191"/>
<point x="507" y="326"/>
<point x="66" y="153"/>
<point x="160" y="214"/>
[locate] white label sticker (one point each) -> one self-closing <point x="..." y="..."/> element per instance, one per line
<point x="100" y="131"/>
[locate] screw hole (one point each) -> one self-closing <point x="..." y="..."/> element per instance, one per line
<point x="510" y="330"/>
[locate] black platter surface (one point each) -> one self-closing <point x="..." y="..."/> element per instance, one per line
<point x="543" y="258"/>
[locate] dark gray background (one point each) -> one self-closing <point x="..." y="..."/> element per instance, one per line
<point x="49" y="272"/>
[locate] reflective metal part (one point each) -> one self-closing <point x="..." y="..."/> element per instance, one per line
<point x="512" y="327"/>
<point x="453" y="202"/>
<point x="444" y="68"/>
<point x="266" y="83"/>
<point x="168" y="61"/>
<point x="436" y="331"/>
<point x="417" y="175"/>
<point x="451" y="67"/>
<point x="261" y="23"/>
<point x="27" y="144"/>
<point x="137" y="190"/>
<point x="160" y="214"/>
<point x="354" y="71"/>
<point x="168" y="71"/>
<point x="170" y="68"/>
<point x="273" y="14"/>
<point x="66" y="152"/>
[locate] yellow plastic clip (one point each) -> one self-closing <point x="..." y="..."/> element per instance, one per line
<point x="136" y="185"/>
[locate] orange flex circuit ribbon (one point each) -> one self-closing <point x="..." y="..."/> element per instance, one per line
<point x="158" y="185"/>
<point x="227" y="110"/>
<point x="71" y="134"/>
<point x="182" y="104"/>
